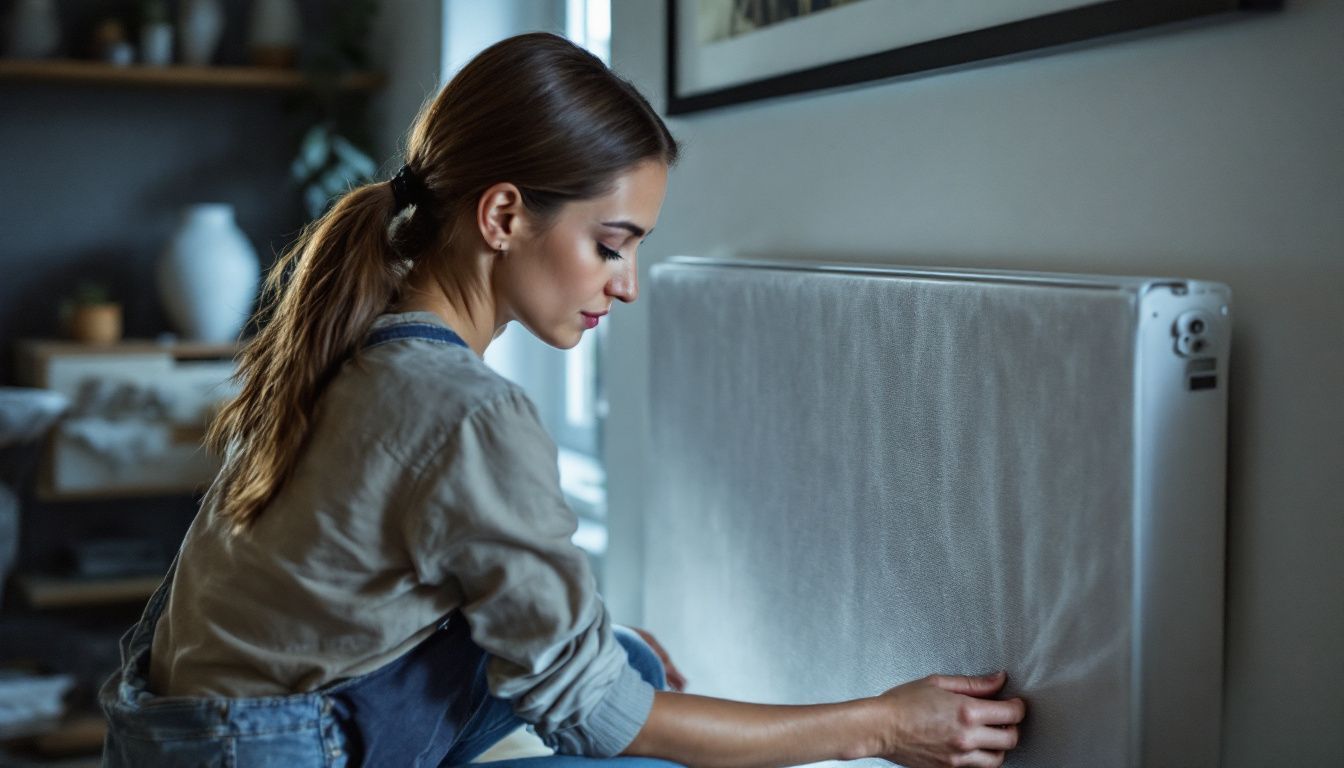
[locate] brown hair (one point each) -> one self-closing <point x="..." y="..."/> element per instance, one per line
<point x="534" y="110"/>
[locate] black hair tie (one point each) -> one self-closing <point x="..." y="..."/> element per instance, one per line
<point x="408" y="188"/>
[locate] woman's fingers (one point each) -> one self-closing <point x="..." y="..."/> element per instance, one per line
<point x="948" y="720"/>
<point x="996" y="712"/>
<point x="675" y="680"/>
<point x="995" y="739"/>
<point x="971" y="685"/>
<point x="653" y="643"/>
<point x="981" y="759"/>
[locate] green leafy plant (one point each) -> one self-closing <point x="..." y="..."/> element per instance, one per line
<point x="330" y="158"/>
<point x="328" y="164"/>
<point x="89" y="294"/>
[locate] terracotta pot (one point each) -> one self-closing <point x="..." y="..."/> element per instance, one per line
<point x="96" y="323"/>
<point x="273" y="34"/>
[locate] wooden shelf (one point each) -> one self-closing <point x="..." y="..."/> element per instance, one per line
<point x="76" y="72"/>
<point x="75" y="734"/>
<point x="46" y="493"/>
<point x="58" y="592"/>
<point x="37" y="352"/>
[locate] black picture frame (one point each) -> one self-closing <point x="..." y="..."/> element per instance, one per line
<point x="1027" y="34"/>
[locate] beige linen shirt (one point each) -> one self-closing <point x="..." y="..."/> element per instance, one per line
<point x="427" y="485"/>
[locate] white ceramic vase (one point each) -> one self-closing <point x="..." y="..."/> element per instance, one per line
<point x="208" y="275"/>
<point x="199" y="27"/>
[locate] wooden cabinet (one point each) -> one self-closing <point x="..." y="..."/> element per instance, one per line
<point x="137" y="417"/>
<point x="134" y="429"/>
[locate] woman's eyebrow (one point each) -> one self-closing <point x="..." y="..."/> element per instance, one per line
<point x="628" y="226"/>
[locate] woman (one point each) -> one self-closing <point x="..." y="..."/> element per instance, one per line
<point x="382" y="573"/>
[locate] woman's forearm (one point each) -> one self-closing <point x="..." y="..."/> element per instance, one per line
<point x="716" y="733"/>
<point x="933" y="722"/>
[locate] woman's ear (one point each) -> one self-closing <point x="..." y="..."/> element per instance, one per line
<point x="497" y="215"/>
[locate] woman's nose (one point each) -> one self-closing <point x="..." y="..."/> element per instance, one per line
<point x="625" y="284"/>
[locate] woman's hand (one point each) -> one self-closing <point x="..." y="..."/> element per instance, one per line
<point x="675" y="680"/>
<point x="948" y="720"/>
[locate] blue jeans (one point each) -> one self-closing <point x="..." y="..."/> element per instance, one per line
<point x="430" y="707"/>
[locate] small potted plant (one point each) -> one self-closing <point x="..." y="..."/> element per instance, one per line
<point x="92" y="317"/>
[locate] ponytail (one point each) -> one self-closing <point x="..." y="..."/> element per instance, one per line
<point x="534" y="110"/>
<point x="322" y="295"/>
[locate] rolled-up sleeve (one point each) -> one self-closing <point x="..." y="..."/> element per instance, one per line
<point x="490" y="516"/>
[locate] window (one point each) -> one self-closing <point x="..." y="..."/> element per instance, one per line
<point x="566" y="385"/>
<point x="588" y="23"/>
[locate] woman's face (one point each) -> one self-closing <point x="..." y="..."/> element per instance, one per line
<point x="561" y="281"/>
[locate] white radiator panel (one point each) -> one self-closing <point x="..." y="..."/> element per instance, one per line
<point x="863" y="476"/>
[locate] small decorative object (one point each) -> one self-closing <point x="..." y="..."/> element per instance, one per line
<point x="273" y="36"/>
<point x="199" y="28"/>
<point x="110" y="44"/>
<point x="120" y="54"/>
<point x="156" y="34"/>
<point x="34" y="30"/>
<point x="208" y="275"/>
<point x="93" y="318"/>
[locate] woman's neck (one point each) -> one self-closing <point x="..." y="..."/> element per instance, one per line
<point x="476" y="324"/>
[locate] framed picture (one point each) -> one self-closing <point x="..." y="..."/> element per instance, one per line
<point x="724" y="52"/>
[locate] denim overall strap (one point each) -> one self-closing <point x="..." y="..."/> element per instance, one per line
<point x="287" y="731"/>
<point x="138" y="638"/>
<point x="422" y="331"/>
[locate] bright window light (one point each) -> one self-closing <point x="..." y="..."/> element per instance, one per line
<point x="588" y="23"/>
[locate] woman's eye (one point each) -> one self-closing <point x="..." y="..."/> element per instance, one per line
<point x="607" y="253"/>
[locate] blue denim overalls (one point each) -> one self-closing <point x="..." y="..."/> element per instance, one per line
<point x="430" y="707"/>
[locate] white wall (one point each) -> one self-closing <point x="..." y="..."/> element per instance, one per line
<point x="419" y="44"/>
<point x="1211" y="150"/>
<point x="472" y="25"/>
<point x="407" y="46"/>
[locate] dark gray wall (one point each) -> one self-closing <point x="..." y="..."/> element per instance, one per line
<point x="95" y="178"/>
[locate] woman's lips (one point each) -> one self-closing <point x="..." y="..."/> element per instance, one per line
<point x="590" y="321"/>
